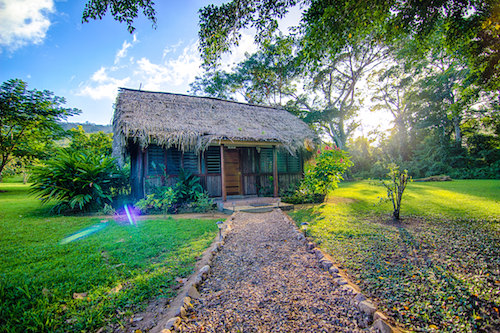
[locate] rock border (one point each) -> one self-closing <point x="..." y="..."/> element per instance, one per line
<point x="378" y="319"/>
<point x="181" y="305"/>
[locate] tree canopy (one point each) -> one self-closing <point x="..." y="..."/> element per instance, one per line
<point x="28" y="120"/>
<point x="121" y="10"/>
<point x="471" y="27"/>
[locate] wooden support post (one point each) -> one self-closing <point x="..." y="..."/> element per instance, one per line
<point x="275" y="171"/>
<point x="139" y="174"/>
<point x="222" y="174"/>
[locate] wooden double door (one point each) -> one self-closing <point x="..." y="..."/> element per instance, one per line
<point x="232" y="171"/>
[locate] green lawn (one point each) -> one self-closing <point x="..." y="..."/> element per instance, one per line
<point x="120" y="267"/>
<point x="438" y="269"/>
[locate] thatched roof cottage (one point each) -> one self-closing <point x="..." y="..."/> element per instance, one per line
<point x="235" y="148"/>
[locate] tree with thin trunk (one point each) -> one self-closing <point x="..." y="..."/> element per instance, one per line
<point x="396" y="186"/>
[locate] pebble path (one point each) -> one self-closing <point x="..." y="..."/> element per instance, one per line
<point x="264" y="280"/>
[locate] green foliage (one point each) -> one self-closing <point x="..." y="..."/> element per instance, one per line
<point x="121" y="267"/>
<point x="396" y="186"/>
<point x="78" y="181"/>
<point x="161" y="201"/>
<point x="99" y="143"/>
<point x="470" y="28"/>
<point x="202" y="204"/>
<point x="300" y="197"/>
<point x="29" y="121"/>
<point x="327" y="170"/>
<point x="87" y="127"/>
<point x="122" y="11"/>
<point x="265" y="77"/>
<point x="187" y="195"/>
<point x="437" y="268"/>
<point x="321" y="176"/>
<point x="188" y="187"/>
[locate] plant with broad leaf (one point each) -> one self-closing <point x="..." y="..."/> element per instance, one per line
<point x="158" y="202"/>
<point x="396" y="186"/>
<point x="188" y="187"/>
<point x="78" y="180"/>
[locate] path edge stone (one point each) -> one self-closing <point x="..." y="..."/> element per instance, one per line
<point x="179" y="306"/>
<point x="378" y="320"/>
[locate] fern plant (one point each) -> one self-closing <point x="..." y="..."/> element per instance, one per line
<point x="78" y="181"/>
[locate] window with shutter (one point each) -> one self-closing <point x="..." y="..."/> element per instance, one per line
<point x="282" y="162"/>
<point x="173" y="161"/>
<point x="213" y="159"/>
<point x="266" y="160"/>
<point x="191" y="162"/>
<point x="293" y="164"/>
<point x="156" y="160"/>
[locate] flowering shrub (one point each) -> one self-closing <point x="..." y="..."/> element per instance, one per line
<point x="324" y="175"/>
<point x="321" y="176"/>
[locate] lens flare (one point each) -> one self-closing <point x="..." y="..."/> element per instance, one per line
<point x="130" y="217"/>
<point x="83" y="233"/>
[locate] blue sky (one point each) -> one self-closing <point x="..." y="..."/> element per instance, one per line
<point x="44" y="43"/>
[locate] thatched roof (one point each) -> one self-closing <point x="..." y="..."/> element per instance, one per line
<point x="192" y="123"/>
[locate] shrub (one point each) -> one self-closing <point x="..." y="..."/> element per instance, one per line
<point x="323" y="175"/>
<point x="303" y="198"/>
<point x="161" y="201"/>
<point x="79" y="181"/>
<point x="187" y="195"/>
<point x="326" y="173"/>
<point x="202" y="204"/>
<point x="188" y="187"/>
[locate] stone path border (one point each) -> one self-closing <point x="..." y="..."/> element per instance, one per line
<point x="181" y="305"/>
<point x="172" y="318"/>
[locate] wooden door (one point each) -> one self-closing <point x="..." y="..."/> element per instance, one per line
<point x="232" y="171"/>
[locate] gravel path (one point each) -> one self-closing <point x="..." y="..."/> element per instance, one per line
<point x="264" y="280"/>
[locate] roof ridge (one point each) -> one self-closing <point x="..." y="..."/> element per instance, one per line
<point x="203" y="97"/>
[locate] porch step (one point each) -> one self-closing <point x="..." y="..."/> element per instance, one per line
<point x="230" y="209"/>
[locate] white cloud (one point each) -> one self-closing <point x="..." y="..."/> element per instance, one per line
<point x="171" y="48"/>
<point x="122" y="53"/>
<point x="23" y="22"/>
<point x="174" y="74"/>
<point x="246" y="46"/>
<point x="102" y="86"/>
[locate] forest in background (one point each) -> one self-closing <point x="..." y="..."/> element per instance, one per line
<point x="431" y="65"/>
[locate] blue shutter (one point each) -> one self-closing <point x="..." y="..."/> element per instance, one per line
<point x="293" y="164"/>
<point x="191" y="162"/>
<point x="282" y="156"/>
<point x="173" y="161"/>
<point x="156" y="160"/>
<point x="266" y="160"/>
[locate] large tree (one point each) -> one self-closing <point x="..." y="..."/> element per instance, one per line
<point x="28" y="119"/>
<point x="334" y="83"/>
<point x="267" y="77"/>
<point x="471" y="27"/>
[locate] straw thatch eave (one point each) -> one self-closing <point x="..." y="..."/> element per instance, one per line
<point x="192" y="123"/>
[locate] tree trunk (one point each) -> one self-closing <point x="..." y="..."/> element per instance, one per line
<point x="458" y="131"/>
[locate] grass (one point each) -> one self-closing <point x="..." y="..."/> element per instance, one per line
<point x="439" y="269"/>
<point x="115" y="270"/>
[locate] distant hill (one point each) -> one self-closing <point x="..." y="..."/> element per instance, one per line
<point x="88" y="127"/>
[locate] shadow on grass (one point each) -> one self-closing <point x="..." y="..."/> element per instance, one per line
<point x="414" y="268"/>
